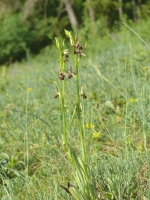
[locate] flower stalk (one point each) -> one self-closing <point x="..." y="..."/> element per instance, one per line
<point x="85" y="188"/>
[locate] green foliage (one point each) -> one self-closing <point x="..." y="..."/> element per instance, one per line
<point x="9" y="167"/>
<point x="12" y="37"/>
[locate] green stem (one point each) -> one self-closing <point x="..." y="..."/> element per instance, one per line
<point x="63" y="112"/>
<point x="62" y="93"/>
<point x="78" y="110"/>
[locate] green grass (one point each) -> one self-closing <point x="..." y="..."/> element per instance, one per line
<point x="115" y="75"/>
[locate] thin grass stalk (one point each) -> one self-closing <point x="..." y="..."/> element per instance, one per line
<point x="26" y="136"/>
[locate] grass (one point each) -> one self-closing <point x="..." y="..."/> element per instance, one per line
<point x="115" y="76"/>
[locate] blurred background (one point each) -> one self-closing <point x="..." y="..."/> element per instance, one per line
<point x="31" y="25"/>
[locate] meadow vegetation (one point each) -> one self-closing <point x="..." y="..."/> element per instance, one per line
<point x="115" y="75"/>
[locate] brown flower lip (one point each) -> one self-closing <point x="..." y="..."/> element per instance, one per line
<point x="56" y="93"/>
<point x="56" y="96"/>
<point x="61" y="74"/>
<point x="83" y="95"/>
<point x="79" y="52"/>
<point x="78" y="49"/>
<point x="70" y="75"/>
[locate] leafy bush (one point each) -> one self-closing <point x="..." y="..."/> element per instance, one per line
<point x="18" y="35"/>
<point x="12" y="37"/>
